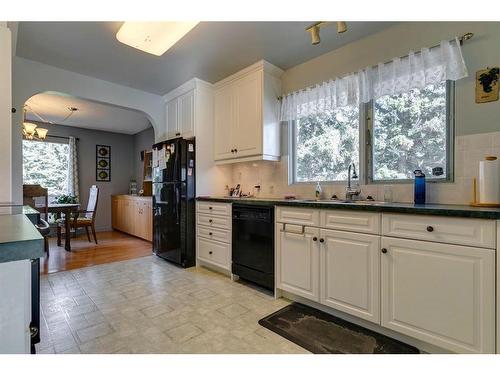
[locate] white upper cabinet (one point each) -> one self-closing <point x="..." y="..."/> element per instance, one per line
<point x="247" y="115"/>
<point x="185" y="107"/>
<point x="186" y="114"/>
<point x="172" y="116"/>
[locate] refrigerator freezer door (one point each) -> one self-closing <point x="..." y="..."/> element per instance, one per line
<point x="167" y="223"/>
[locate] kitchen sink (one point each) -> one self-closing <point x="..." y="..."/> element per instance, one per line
<point x="343" y="201"/>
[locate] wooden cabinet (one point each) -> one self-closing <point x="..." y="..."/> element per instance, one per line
<point x="298" y="255"/>
<point x="350" y="273"/>
<point x="440" y="293"/>
<point x="133" y="215"/>
<point x="247" y="115"/>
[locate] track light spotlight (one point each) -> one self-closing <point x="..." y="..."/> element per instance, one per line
<point x="315" y="39"/>
<point x="341" y="27"/>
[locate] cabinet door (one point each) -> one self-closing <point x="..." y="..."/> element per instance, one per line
<point x="298" y="260"/>
<point x="442" y="294"/>
<point x="129" y="214"/>
<point x="223" y="123"/>
<point x="148" y="220"/>
<point x="186" y="114"/>
<point x="172" y="118"/>
<point x="350" y="273"/>
<point x="248" y="115"/>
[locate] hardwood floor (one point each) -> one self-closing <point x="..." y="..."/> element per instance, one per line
<point x="112" y="247"/>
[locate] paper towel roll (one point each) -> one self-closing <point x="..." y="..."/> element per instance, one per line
<point x="489" y="180"/>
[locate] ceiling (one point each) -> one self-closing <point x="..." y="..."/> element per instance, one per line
<point x="211" y="51"/>
<point x="53" y="107"/>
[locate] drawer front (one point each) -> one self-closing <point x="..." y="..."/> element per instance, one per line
<point x="352" y="221"/>
<point x="214" y="252"/>
<point x="212" y="221"/>
<point x="460" y="231"/>
<point x="214" y="208"/>
<point x="214" y="234"/>
<point x="299" y="216"/>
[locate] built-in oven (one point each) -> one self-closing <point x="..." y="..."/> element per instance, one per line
<point x="253" y="244"/>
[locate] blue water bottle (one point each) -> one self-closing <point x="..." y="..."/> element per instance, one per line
<point x="419" y="195"/>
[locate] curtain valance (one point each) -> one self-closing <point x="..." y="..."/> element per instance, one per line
<point x="417" y="70"/>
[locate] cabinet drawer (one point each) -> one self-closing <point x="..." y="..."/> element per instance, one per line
<point x="214" y="234"/>
<point x="300" y="216"/>
<point x="214" y="252"/>
<point x="223" y="222"/>
<point x="352" y="221"/>
<point x="471" y="232"/>
<point x="215" y="208"/>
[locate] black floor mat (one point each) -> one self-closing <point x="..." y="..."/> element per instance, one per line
<point x="321" y="333"/>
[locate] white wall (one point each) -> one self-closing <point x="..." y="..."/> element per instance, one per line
<point x="5" y="114"/>
<point x="31" y="77"/>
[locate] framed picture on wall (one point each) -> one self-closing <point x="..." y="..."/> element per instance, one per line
<point x="103" y="163"/>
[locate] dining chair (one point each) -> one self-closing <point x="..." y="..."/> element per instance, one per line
<point x="84" y="218"/>
<point x="37" y="197"/>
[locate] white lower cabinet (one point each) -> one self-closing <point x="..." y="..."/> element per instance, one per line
<point x="350" y="273"/>
<point x="298" y="254"/>
<point x="440" y="293"/>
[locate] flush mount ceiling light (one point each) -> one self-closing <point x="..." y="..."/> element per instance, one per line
<point x="153" y="37"/>
<point x="315" y="27"/>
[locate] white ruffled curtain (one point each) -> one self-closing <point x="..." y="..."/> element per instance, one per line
<point x="417" y="70"/>
<point x="73" y="181"/>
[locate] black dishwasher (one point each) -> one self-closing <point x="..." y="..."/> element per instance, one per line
<point x="253" y="244"/>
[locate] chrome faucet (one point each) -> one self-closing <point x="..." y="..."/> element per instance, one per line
<point x="350" y="191"/>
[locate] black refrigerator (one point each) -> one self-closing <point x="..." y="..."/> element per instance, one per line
<point x="174" y="201"/>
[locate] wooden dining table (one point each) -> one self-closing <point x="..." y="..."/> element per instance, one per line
<point x="67" y="209"/>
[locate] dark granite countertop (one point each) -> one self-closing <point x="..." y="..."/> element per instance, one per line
<point x="19" y="239"/>
<point x="404" y="208"/>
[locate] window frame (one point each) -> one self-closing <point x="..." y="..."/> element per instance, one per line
<point x="450" y="144"/>
<point x="365" y="170"/>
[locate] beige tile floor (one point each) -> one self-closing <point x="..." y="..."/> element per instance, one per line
<point x="147" y="305"/>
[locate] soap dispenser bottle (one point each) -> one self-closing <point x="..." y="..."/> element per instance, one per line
<point x="419" y="192"/>
<point x="318" y="191"/>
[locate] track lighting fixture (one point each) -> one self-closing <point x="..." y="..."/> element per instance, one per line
<point x="315" y="28"/>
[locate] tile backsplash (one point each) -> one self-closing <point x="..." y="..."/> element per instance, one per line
<point x="469" y="150"/>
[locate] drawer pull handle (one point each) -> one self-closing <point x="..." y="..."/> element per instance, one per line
<point x="430" y="229"/>
<point x="321" y="240"/>
<point x="315" y="239"/>
<point x="384" y="250"/>
<point x="210" y="252"/>
<point x="303" y="230"/>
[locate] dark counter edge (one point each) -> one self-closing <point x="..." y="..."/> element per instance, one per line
<point x="24" y="248"/>
<point x="403" y="208"/>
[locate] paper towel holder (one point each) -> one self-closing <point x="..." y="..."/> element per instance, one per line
<point x="475" y="202"/>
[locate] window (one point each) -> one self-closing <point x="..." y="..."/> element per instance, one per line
<point x="412" y="131"/>
<point x="409" y="131"/>
<point x="46" y="163"/>
<point x="324" y="144"/>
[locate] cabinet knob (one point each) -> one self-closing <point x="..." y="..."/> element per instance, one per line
<point x="210" y="252"/>
<point x="210" y="220"/>
<point x="430" y="229"/>
<point x="384" y="250"/>
<point x="321" y="240"/>
<point x="315" y="238"/>
<point x="177" y="134"/>
<point x="209" y="233"/>
<point x="235" y="150"/>
<point x="232" y="150"/>
<point x="209" y="208"/>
